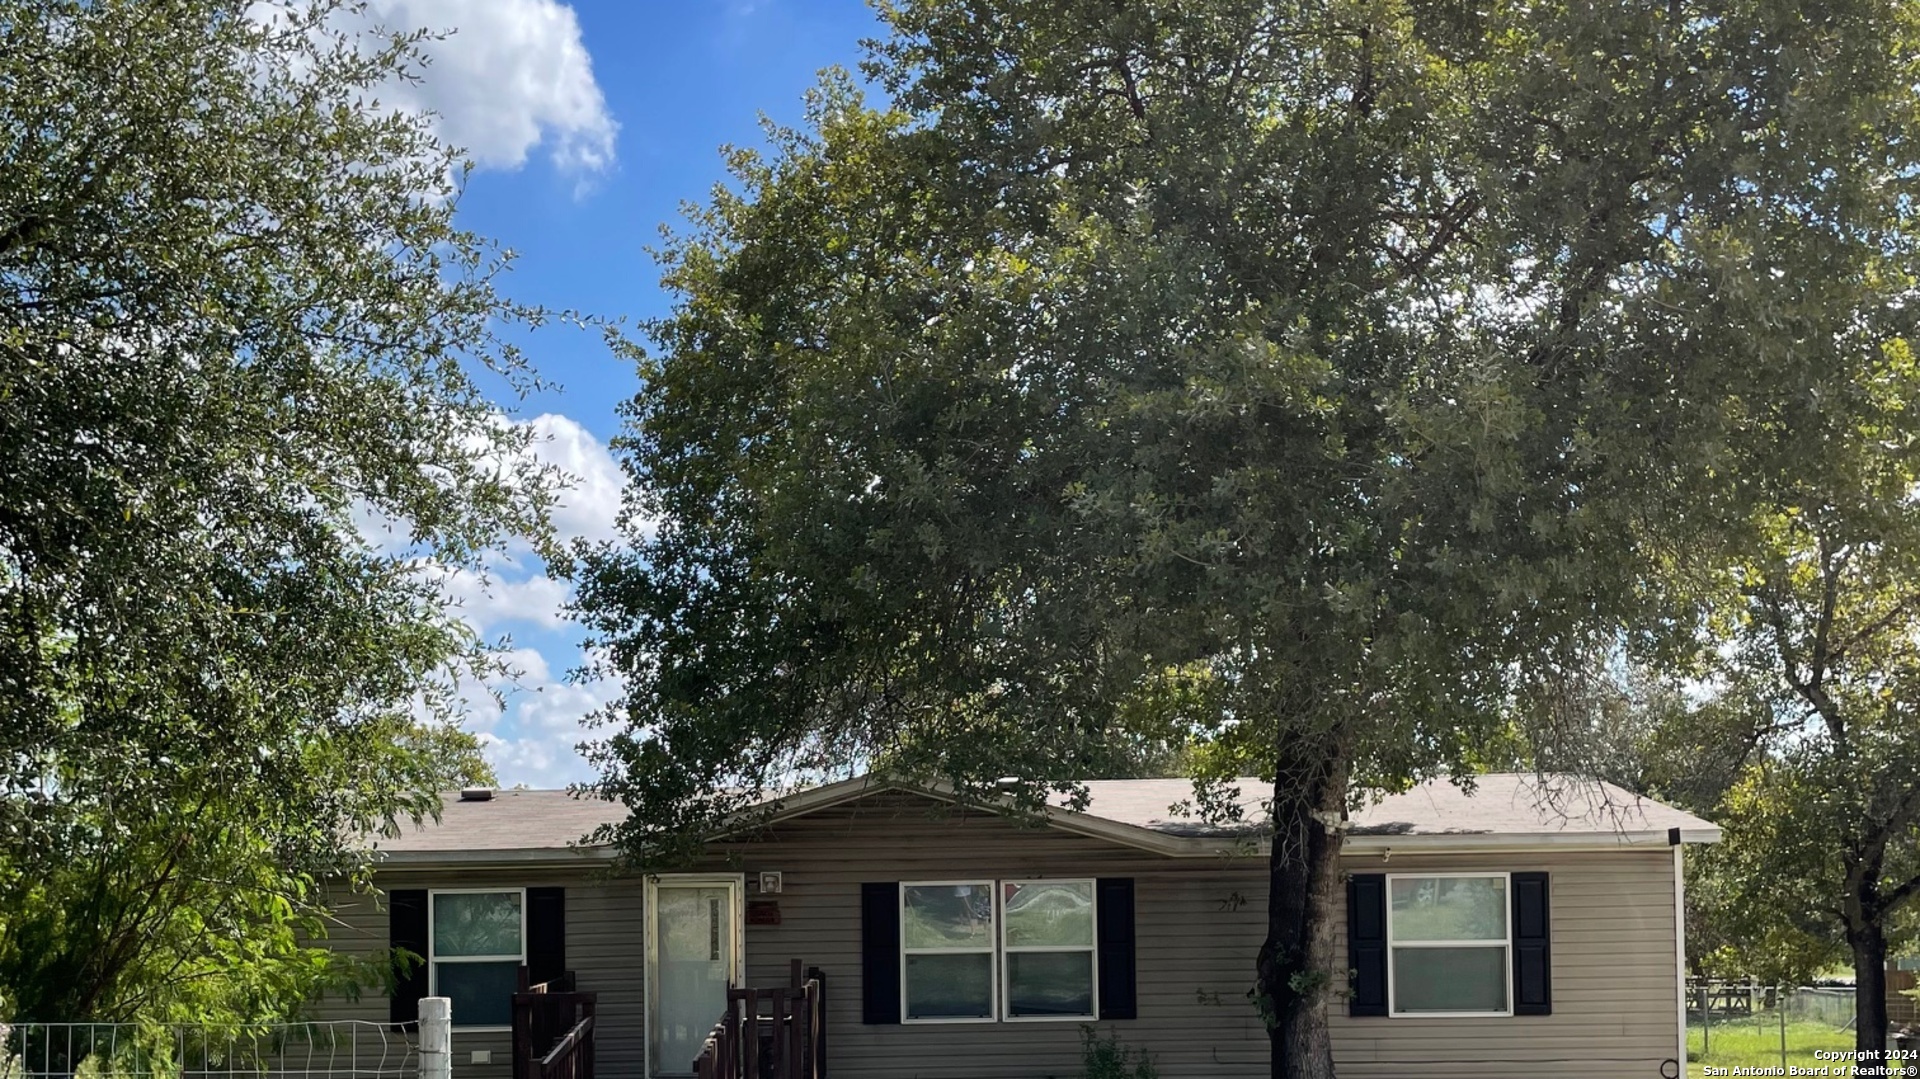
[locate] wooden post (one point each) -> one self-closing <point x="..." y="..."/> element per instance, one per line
<point x="818" y="1011"/>
<point x="796" y="1030"/>
<point x="733" y="1039"/>
<point x="586" y="1015"/>
<point x="787" y="1038"/>
<point x="522" y="1033"/>
<point x="777" y="1057"/>
<point x="751" y="1028"/>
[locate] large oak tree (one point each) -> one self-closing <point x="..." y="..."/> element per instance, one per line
<point x="1335" y="369"/>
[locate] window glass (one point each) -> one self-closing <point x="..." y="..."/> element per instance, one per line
<point x="1050" y="983"/>
<point x="950" y="986"/>
<point x="1449" y="908"/>
<point x="1048" y="948"/>
<point x="1450" y="979"/>
<point x="481" y="993"/>
<point x="476" y="924"/>
<point x="1049" y="914"/>
<point x="948" y="916"/>
<point x="476" y="955"/>
<point x="946" y="936"/>
<point x="991" y="950"/>
<point x="1449" y="937"/>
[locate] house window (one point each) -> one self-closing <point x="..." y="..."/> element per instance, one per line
<point x="983" y="950"/>
<point x="946" y="946"/>
<point x="477" y="945"/>
<point x="1447" y="943"/>
<point x="1048" y="946"/>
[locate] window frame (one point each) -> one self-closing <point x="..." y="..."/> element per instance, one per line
<point x="998" y="951"/>
<point x="1092" y="949"/>
<point x="1505" y="945"/>
<point x="433" y="961"/>
<point x="991" y="951"/>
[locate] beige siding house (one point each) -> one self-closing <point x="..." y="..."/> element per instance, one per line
<point x="1528" y="929"/>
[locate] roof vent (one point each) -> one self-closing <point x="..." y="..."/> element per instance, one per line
<point x="476" y="794"/>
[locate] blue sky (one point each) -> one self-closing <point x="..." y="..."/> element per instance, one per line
<point x="591" y="123"/>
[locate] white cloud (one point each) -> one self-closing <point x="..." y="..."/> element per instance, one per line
<point x="512" y="75"/>
<point x="587" y="488"/>
<point x="529" y="720"/>
<point x="589" y="507"/>
<point x="486" y="603"/>
<point x="546" y="727"/>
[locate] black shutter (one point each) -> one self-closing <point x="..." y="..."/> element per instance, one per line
<point x="1367" y="943"/>
<point x="880" y="952"/>
<point x="1532" y="946"/>
<point x="1114" y="935"/>
<point x="546" y="934"/>
<point x="407" y="929"/>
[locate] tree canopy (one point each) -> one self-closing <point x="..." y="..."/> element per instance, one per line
<point x="1339" y="371"/>
<point x="1815" y="621"/>
<point x="237" y="323"/>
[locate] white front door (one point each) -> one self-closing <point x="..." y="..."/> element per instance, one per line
<point x="693" y="957"/>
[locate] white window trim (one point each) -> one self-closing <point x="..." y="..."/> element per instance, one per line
<point x="1092" y="949"/>
<point x="998" y="951"/>
<point x="433" y="962"/>
<point x="991" y="951"/>
<point x="1505" y="944"/>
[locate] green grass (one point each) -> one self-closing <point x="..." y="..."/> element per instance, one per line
<point x="1755" y="1042"/>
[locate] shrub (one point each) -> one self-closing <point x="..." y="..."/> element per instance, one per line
<point x="1106" y="1058"/>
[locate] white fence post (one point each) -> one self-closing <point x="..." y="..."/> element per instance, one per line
<point x="436" y="1038"/>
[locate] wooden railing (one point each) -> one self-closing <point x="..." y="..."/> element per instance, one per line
<point x="552" y="1030"/>
<point x="789" y="1041"/>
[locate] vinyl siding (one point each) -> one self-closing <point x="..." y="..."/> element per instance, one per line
<point x="605" y="950"/>
<point x="1615" y="1009"/>
<point x="1198" y="925"/>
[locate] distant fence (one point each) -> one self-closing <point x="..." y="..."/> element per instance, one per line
<point x="1902" y="1008"/>
<point x="340" y="1049"/>
<point x="1747" y="1025"/>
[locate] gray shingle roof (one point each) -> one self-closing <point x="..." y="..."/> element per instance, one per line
<point x="512" y="820"/>
<point x="1501" y="806"/>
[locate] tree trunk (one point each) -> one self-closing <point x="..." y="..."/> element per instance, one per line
<point x="1868" y="939"/>
<point x="1295" y="967"/>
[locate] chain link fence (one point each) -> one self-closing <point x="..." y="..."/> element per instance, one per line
<point x="1742" y="1025"/>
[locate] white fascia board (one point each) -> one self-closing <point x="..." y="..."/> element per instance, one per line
<point x="1522" y="841"/>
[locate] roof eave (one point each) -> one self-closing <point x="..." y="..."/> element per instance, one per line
<point x="1178" y="846"/>
<point x="1496" y="842"/>
<point x="1128" y="835"/>
<point x="850" y="790"/>
<point x="519" y="857"/>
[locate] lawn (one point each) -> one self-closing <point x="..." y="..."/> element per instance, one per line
<point x="1755" y="1042"/>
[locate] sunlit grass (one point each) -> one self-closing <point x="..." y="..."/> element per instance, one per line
<point x="1754" y="1042"/>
